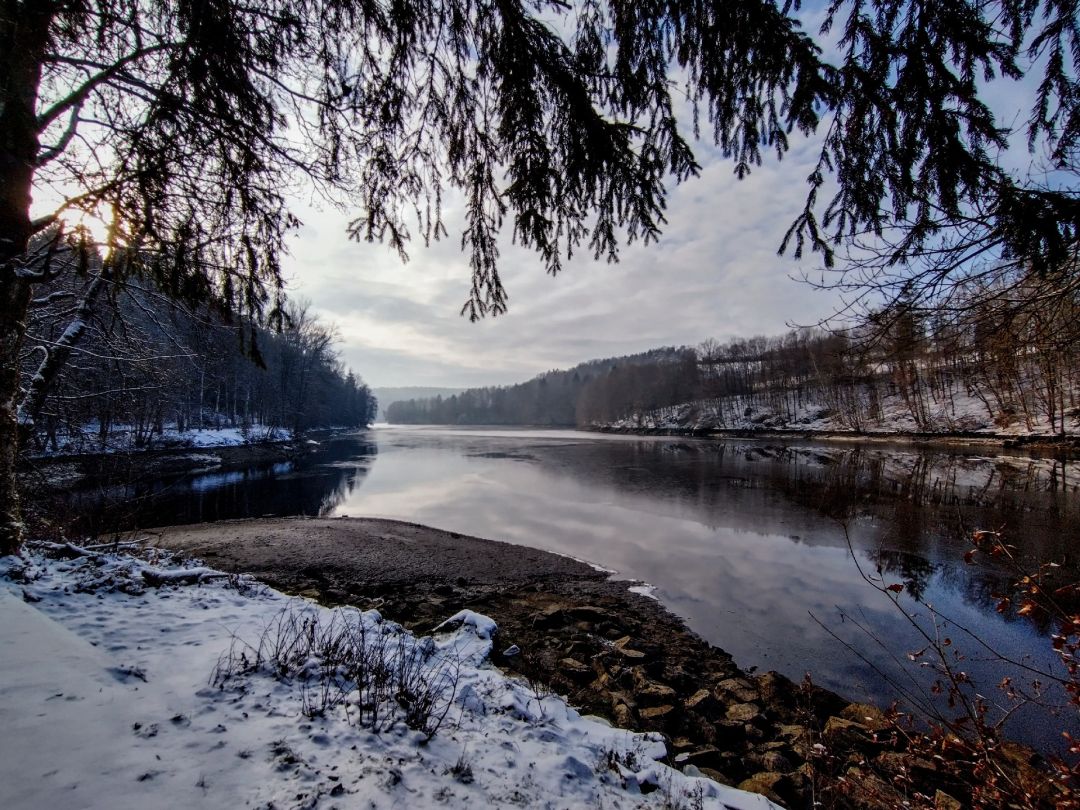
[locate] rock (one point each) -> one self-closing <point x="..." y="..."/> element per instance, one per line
<point x="622" y="647"/>
<point x="551" y="616"/>
<point x="708" y="756"/>
<point x="789" y="699"/>
<point x="655" y="714"/>
<point x="742" y="691"/>
<point x="896" y="762"/>
<point x="765" y="783"/>
<point x="867" y="790"/>
<point x="655" y="693"/>
<point x="729" y="733"/>
<point x="943" y="801"/>
<point x="680" y="745"/>
<point x="870" y="716"/>
<point x="744" y="712"/>
<point x="589" y="613"/>
<point x="847" y="735"/>
<point x="701" y="701"/>
<point x="717" y="776"/>
<point x="575" y="670"/>
<point x="775" y="761"/>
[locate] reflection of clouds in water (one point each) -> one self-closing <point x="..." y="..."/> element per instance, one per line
<point x="737" y="537"/>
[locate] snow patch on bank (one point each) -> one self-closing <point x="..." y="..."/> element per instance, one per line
<point x="106" y="701"/>
<point x="644" y="589"/>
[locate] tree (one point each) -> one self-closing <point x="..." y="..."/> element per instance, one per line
<point x="181" y="123"/>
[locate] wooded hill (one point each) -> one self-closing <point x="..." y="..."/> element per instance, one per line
<point x="1006" y="374"/>
<point x="599" y="390"/>
<point x="140" y="366"/>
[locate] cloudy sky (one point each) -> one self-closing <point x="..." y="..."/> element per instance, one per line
<point x="714" y="273"/>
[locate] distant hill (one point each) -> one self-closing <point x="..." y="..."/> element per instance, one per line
<point x="591" y="392"/>
<point x="388" y="396"/>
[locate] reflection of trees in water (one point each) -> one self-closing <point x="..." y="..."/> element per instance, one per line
<point x="925" y="501"/>
<point x="312" y="485"/>
<point x="931" y="499"/>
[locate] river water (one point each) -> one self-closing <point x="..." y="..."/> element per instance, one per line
<point x="761" y="545"/>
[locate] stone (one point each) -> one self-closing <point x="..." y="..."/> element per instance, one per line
<point x="847" y="735"/>
<point x="765" y="783"/>
<point x="701" y="701"/>
<point x="624" y="715"/>
<point x="717" y="776"/>
<point x="743" y="712"/>
<point x="575" y="670"/>
<point x="656" y="714"/>
<point x="708" y="756"/>
<point x="655" y="693"/>
<point x="943" y="801"/>
<point x="741" y="690"/>
<point x="680" y="745"/>
<point x="870" y="716"/>
<point x="729" y="733"/>
<point x="775" y="761"/>
<point x="589" y="613"/>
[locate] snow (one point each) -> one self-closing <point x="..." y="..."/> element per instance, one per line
<point x="122" y="438"/>
<point x="644" y="589"/>
<point x="108" y="700"/>
<point x="479" y="624"/>
<point x="959" y="411"/>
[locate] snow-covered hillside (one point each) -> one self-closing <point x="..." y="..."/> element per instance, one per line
<point x="134" y="682"/>
<point x="861" y="410"/>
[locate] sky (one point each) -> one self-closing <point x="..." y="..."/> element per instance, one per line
<point x="714" y="273"/>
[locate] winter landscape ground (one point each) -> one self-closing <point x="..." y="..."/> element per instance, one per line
<point x="137" y="681"/>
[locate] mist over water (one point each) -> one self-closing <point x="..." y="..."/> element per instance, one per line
<point x="757" y="544"/>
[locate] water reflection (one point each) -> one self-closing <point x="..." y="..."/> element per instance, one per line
<point x="312" y="485"/>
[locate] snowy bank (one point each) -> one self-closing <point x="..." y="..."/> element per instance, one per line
<point x="137" y="682"/>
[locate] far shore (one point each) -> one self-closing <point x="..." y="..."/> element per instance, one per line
<point x="1036" y="442"/>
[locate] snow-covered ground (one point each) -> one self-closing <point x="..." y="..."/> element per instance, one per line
<point x="108" y="698"/>
<point x="124" y="438"/>
<point x="960" y="411"/>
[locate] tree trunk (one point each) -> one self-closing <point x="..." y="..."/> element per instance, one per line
<point x="23" y="36"/>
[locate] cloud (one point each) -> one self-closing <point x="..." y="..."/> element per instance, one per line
<point x="714" y="272"/>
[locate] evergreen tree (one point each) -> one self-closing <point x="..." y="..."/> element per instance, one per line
<point x="181" y="122"/>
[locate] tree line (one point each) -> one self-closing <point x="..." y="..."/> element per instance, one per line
<point x="1003" y="367"/>
<point x="597" y="390"/>
<point x="994" y="368"/>
<point x="117" y="362"/>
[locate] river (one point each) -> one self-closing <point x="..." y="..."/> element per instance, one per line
<point x="760" y="545"/>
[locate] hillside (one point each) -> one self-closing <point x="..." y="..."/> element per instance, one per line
<point x="596" y="390"/>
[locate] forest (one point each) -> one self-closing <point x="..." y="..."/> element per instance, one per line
<point x="598" y="390"/>
<point x="116" y="364"/>
<point x="1006" y="370"/>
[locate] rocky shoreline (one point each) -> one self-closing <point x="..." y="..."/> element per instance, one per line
<point x="1062" y="446"/>
<point x="567" y="627"/>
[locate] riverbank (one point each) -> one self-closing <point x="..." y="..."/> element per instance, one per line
<point x="612" y="652"/>
<point x="131" y="679"/>
<point x="1063" y="446"/>
<point x="58" y="472"/>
